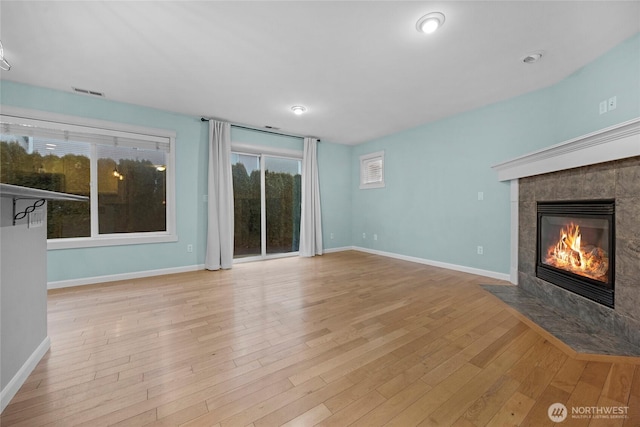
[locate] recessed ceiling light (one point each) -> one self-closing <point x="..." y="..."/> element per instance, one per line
<point x="298" y="109"/>
<point x="532" y="57"/>
<point x="430" y="22"/>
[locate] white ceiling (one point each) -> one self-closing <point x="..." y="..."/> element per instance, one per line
<point x="360" y="67"/>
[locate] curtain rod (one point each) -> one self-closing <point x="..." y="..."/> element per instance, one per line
<point x="204" y="119"/>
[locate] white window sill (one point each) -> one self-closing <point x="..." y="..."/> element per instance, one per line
<point x="373" y="185"/>
<point x="110" y="240"/>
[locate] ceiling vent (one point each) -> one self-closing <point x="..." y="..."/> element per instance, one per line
<point x="271" y="127"/>
<point x="88" y="92"/>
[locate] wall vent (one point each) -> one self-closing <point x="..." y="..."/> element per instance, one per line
<point x="271" y="127"/>
<point x="88" y="92"/>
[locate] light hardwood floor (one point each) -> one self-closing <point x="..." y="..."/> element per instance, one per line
<point x="343" y="339"/>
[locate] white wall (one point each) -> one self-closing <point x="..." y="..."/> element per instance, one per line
<point x="23" y="299"/>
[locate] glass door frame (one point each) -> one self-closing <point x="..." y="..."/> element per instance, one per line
<point x="263" y="153"/>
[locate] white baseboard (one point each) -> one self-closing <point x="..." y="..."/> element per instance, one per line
<point x="342" y="249"/>
<point x="462" y="268"/>
<point x="514" y="276"/>
<point x="23" y="373"/>
<point x="121" y="276"/>
<point x="160" y="272"/>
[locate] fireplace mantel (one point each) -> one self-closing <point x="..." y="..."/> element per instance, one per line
<point x="616" y="142"/>
<point x="612" y="143"/>
<point x="601" y="166"/>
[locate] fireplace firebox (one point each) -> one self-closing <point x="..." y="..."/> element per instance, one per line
<point x="576" y="248"/>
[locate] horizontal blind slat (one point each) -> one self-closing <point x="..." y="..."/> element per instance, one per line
<point x="77" y="133"/>
<point x="373" y="171"/>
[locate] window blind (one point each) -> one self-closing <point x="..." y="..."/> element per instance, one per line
<point x="372" y="171"/>
<point x="67" y="132"/>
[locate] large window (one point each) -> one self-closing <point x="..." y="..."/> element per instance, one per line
<point x="267" y="191"/>
<point x="128" y="177"/>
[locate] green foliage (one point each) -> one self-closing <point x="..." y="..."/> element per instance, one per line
<point x="138" y="205"/>
<point x="282" y="193"/>
<point x="67" y="174"/>
<point x="246" y="200"/>
<point x="134" y="204"/>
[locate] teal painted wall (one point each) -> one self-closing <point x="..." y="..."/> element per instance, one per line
<point x="430" y="209"/>
<point x="334" y="171"/>
<point x="576" y="99"/>
<point x="191" y="135"/>
<point x="252" y="137"/>
<point x="191" y="170"/>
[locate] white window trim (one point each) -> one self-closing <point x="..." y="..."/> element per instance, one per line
<point x="243" y="148"/>
<point x="58" y="121"/>
<point x="363" y="160"/>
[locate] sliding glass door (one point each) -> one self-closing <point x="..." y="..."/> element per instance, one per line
<point x="282" y="204"/>
<point x="247" y="204"/>
<point x="267" y="192"/>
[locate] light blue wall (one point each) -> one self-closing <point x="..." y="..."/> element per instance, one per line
<point x="576" y="98"/>
<point x="191" y="170"/>
<point x="430" y="209"/>
<point x="253" y="137"/>
<point x="190" y="182"/>
<point x="334" y="170"/>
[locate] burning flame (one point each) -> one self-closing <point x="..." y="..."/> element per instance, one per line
<point x="568" y="254"/>
<point x="567" y="250"/>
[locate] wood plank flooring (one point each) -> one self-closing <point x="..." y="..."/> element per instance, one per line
<point x="343" y="339"/>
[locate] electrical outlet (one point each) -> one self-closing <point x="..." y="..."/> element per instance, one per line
<point x="480" y="250"/>
<point x="36" y="218"/>
<point x="364" y="235"/>
<point x="375" y="237"/>
<point x="189" y="248"/>
<point x="603" y="107"/>
<point x="332" y="236"/>
<point x="613" y="103"/>
<point x="480" y="195"/>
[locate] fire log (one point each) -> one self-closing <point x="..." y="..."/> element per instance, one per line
<point x="574" y="255"/>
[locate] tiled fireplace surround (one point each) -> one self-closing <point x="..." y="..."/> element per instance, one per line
<point x="602" y="165"/>
<point x="619" y="180"/>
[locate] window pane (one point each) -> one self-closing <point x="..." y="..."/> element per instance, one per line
<point x="282" y="193"/>
<point x="246" y="199"/>
<point x="131" y="190"/>
<point x="55" y="165"/>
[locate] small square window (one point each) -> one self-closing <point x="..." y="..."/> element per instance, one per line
<point x="372" y="170"/>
